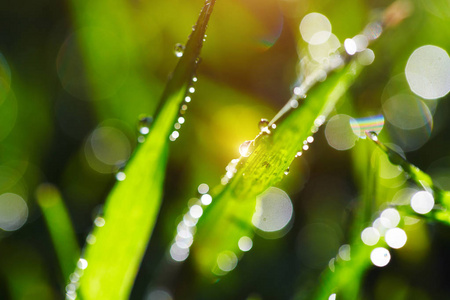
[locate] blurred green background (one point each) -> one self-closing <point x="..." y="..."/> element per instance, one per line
<point x="75" y="77"/>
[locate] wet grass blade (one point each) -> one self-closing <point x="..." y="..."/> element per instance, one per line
<point x="132" y="206"/>
<point x="229" y="216"/>
<point x="60" y="227"/>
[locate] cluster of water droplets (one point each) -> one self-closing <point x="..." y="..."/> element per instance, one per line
<point x="82" y="263"/>
<point x="144" y="124"/>
<point x="186" y="228"/>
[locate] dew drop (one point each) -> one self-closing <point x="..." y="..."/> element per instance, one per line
<point x="286" y="172"/>
<point x="179" y="49"/>
<point x="293" y="103"/>
<point x="298" y="154"/>
<point x="120" y="176"/>
<point x="191" y="90"/>
<point x="187" y="99"/>
<point x="264" y="125"/>
<point x="246" y="148"/>
<point x="305" y="147"/>
<point x="194" y="79"/>
<point x="144" y="124"/>
<point x="177" y="126"/>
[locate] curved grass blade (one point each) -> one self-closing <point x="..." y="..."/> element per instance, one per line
<point x="60" y="227"/>
<point x="133" y="204"/>
<point x="421" y="179"/>
<point x="229" y="217"/>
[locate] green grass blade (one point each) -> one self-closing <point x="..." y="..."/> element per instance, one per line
<point x="229" y="217"/>
<point x="132" y="206"/>
<point x="60" y="227"/>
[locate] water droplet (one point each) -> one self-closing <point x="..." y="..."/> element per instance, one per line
<point x="99" y="222"/>
<point x="194" y="79"/>
<point x="298" y="91"/>
<point x="184" y="107"/>
<point x="246" y="148"/>
<point x="298" y="154"/>
<point x="191" y="90"/>
<point x="177" y="126"/>
<point x="286" y="172"/>
<point x="310" y="139"/>
<point x="82" y="263"/>
<point x="305" y="147"/>
<point x="120" y="176"/>
<point x="380" y="257"/>
<point x="372" y="135"/>
<point x="144" y="124"/>
<point x="198" y="60"/>
<point x="187" y="99"/>
<point x="274" y="126"/>
<point x="179" y="49"/>
<point x="141" y="139"/>
<point x="293" y="103"/>
<point x="264" y="125"/>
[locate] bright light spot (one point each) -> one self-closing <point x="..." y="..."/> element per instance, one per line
<point x="191" y="90"/>
<point x="390" y="218"/>
<point x="107" y="146"/>
<point x="227" y="261"/>
<point x="294" y="103"/>
<point x="331" y="264"/>
<point x="245" y="243"/>
<point x="339" y="133"/>
<point x="344" y="252"/>
<point x="181" y="120"/>
<point x="187" y="99"/>
<point x="366" y="57"/>
<point x="120" y="176"/>
<point x="246" y="148"/>
<point x="144" y="130"/>
<point x="350" y="46"/>
<point x="373" y="30"/>
<point x="422" y="202"/>
<point x="206" y="199"/>
<point x="315" y="28"/>
<point x="203" y="188"/>
<point x="379" y="226"/>
<point x="380" y="257"/>
<point x="428" y="72"/>
<point x="188" y="220"/>
<point x="310" y="139"/>
<point x="159" y="295"/>
<point x="13" y="212"/>
<point x="178" y="254"/>
<point x="175" y="134"/>
<point x="370" y="236"/>
<point x="332" y="297"/>
<point x="196" y="211"/>
<point x="273" y="210"/>
<point x="395" y="238"/>
<point x="82" y="264"/>
<point x="305" y="147"/>
<point x="99" y="222"/>
<point x="177" y="126"/>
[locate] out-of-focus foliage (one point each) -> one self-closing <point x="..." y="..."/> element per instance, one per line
<point x="76" y="76"/>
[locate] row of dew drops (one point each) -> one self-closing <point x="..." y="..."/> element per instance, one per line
<point x="387" y="225"/>
<point x="144" y="126"/>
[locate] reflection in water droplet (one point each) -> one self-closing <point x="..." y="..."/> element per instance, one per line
<point x="372" y="123"/>
<point x="286" y="172"/>
<point x="395" y="238"/>
<point x="245" y="243"/>
<point x="246" y="148"/>
<point x="370" y="236"/>
<point x="422" y="202"/>
<point x="179" y="50"/>
<point x="380" y="256"/>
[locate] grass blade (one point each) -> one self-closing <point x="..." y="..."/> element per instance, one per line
<point x="60" y="227"/>
<point x="229" y="216"/>
<point x="133" y="204"/>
